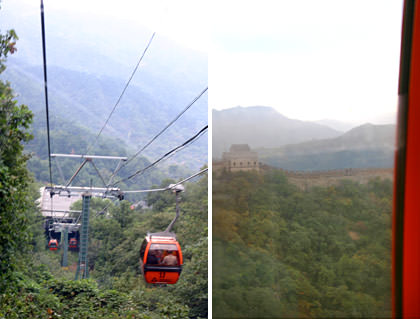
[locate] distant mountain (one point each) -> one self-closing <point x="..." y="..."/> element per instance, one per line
<point x="88" y="69"/>
<point x="378" y="119"/>
<point x="362" y="147"/>
<point x="87" y="99"/>
<point x="261" y="126"/>
<point x="337" y="125"/>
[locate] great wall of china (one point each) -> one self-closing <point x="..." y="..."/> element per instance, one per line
<point x="306" y="179"/>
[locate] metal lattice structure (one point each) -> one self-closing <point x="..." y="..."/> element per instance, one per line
<point x="82" y="271"/>
<point x="65" y="241"/>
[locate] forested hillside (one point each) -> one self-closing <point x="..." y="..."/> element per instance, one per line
<point x="83" y="101"/>
<point x="41" y="288"/>
<point x="34" y="283"/>
<point x="89" y="62"/>
<point x="281" y="252"/>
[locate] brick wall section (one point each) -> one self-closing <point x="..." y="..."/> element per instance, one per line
<point x="305" y="179"/>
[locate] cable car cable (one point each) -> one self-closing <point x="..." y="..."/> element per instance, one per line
<point x="190" y="140"/>
<point x="122" y="93"/>
<point x="166" y="188"/>
<point x="161" y="132"/>
<point x="105" y="208"/>
<point x="188" y="178"/>
<point x="170" y="153"/>
<point x="178" y="150"/>
<point x="44" y="57"/>
<point x="173" y="153"/>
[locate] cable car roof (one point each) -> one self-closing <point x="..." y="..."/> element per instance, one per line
<point x="162" y="236"/>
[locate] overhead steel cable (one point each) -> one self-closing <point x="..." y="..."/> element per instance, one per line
<point x="44" y="56"/>
<point x="122" y="93"/>
<point x="188" y="178"/>
<point x="105" y="208"/>
<point x="187" y="142"/>
<point x="168" y="187"/>
<point x="161" y="132"/>
<point x="170" y="153"/>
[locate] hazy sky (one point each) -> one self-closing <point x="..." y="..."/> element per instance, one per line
<point x="310" y="60"/>
<point x="184" y="21"/>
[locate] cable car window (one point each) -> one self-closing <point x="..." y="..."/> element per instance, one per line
<point x="163" y="254"/>
<point x="143" y="249"/>
<point x="163" y="247"/>
<point x="306" y="231"/>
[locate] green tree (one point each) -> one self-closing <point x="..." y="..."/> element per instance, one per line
<point x="14" y="177"/>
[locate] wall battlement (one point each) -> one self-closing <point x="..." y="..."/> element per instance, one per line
<point x="306" y="179"/>
<point x="338" y="172"/>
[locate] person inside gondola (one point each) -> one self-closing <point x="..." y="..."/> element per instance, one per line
<point x="171" y="259"/>
<point x="152" y="259"/>
<point x="159" y="255"/>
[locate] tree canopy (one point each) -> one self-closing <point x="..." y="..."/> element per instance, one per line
<point x="279" y="251"/>
<point x="14" y="177"/>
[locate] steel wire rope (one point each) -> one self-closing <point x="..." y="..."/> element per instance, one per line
<point x="187" y="142"/>
<point x="171" y="186"/>
<point x="168" y="187"/>
<point x="121" y="95"/>
<point x="178" y="150"/>
<point x="170" y="153"/>
<point x="44" y="58"/>
<point x="105" y="208"/>
<point x="160" y="133"/>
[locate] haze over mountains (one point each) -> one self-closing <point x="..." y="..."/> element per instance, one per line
<point x="89" y="63"/>
<point x="366" y="146"/>
<point x="298" y="145"/>
<point x="261" y="126"/>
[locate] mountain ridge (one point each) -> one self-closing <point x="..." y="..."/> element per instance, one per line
<point x="88" y="69"/>
<point x="262" y="126"/>
<point x="365" y="146"/>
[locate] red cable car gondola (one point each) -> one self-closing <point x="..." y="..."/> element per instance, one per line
<point x="406" y="217"/>
<point x="53" y="244"/>
<point x="73" y="243"/>
<point x="160" y="253"/>
<point x="161" y="258"/>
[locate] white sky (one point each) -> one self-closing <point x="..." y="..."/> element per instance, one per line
<point x="336" y="59"/>
<point x="184" y="21"/>
<point x="310" y="60"/>
<point x="175" y="19"/>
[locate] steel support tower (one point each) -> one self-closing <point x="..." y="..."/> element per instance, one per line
<point x="65" y="242"/>
<point x="82" y="271"/>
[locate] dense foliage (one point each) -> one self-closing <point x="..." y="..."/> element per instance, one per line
<point x="116" y="288"/>
<point x="14" y="177"/>
<point x="32" y="282"/>
<point x="279" y="251"/>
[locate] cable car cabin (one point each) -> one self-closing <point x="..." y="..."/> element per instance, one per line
<point x="161" y="258"/>
<point x="53" y="244"/>
<point x="73" y="243"/>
